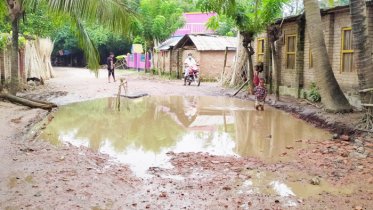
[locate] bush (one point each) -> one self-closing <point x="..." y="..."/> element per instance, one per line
<point x="314" y="94"/>
<point x="303" y="94"/>
<point x="120" y="57"/>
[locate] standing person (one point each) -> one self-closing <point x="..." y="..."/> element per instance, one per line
<point x="256" y="75"/>
<point x="260" y="95"/>
<point x="187" y="64"/>
<point x="110" y="66"/>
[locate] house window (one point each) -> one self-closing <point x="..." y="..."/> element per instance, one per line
<point x="290" y="51"/>
<point x="142" y="59"/>
<point x="260" y="50"/>
<point x="347" y="63"/>
<point x="311" y="60"/>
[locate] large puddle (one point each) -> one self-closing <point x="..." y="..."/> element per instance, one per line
<point x="154" y="125"/>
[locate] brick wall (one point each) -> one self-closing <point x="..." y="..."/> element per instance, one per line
<point x="346" y="80"/>
<point x="164" y="60"/>
<point x="266" y="53"/>
<point x="212" y="62"/>
<point x="333" y="24"/>
<point x="288" y="76"/>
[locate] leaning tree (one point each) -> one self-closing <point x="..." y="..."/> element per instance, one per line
<point x="251" y="17"/>
<point x="115" y="15"/>
<point x="332" y="96"/>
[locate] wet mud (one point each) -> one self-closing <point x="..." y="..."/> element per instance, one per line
<point x="214" y="153"/>
<point x="201" y="153"/>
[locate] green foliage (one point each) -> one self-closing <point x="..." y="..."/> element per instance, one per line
<point x="230" y="33"/>
<point x="222" y="25"/>
<point x="138" y="40"/>
<point x="4" y="39"/>
<point x="104" y="40"/>
<point x="117" y="16"/>
<point x="303" y="94"/>
<point x="21" y="42"/>
<point x="160" y="20"/>
<point x="250" y="16"/>
<point x="186" y="6"/>
<point x="37" y="21"/>
<point x="120" y="57"/>
<point x="314" y="94"/>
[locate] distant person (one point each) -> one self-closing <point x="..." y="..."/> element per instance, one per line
<point x="187" y="64"/>
<point x="256" y="75"/>
<point x="260" y="95"/>
<point x="110" y="66"/>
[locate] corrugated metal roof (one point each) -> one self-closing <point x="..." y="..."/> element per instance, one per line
<point x="211" y="42"/>
<point x="169" y="43"/>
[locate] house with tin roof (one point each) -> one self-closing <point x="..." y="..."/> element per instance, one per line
<point x="209" y="50"/>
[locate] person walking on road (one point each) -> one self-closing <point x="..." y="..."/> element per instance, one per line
<point x="110" y="66"/>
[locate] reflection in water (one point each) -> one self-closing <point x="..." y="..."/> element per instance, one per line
<point x="158" y="124"/>
<point x="265" y="182"/>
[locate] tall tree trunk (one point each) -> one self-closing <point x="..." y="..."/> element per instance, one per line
<point x="276" y="75"/>
<point x="251" y="68"/>
<point x="244" y="53"/>
<point x="299" y="67"/>
<point x="362" y="49"/>
<point x="240" y="62"/>
<point x="14" y="61"/>
<point x="2" y="69"/>
<point x="274" y="33"/>
<point x="332" y="96"/>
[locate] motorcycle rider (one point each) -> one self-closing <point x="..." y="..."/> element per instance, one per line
<point x="187" y="64"/>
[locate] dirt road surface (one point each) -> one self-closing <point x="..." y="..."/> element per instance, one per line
<point x="38" y="175"/>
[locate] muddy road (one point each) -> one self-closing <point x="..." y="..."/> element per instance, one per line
<point x="178" y="148"/>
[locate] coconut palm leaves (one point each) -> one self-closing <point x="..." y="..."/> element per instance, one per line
<point x="115" y="15"/>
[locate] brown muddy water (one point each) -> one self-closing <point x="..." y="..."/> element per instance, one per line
<point x="155" y="125"/>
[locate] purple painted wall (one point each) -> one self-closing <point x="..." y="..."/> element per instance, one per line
<point x="195" y="24"/>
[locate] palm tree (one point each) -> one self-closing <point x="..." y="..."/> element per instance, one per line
<point x="332" y="96"/>
<point x="115" y="15"/>
<point x="361" y="45"/>
<point x="250" y="17"/>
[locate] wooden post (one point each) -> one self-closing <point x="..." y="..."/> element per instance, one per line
<point x="146" y="59"/>
<point x="181" y="64"/>
<point x="145" y="63"/>
<point x="164" y="64"/>
<point x="247" y="81"/>
<point x="177" y="64"/>
<point x="170" y="55"/>
<point x="225" y="63"/>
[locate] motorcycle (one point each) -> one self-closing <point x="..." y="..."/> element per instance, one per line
<point x="193" y="75"/>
